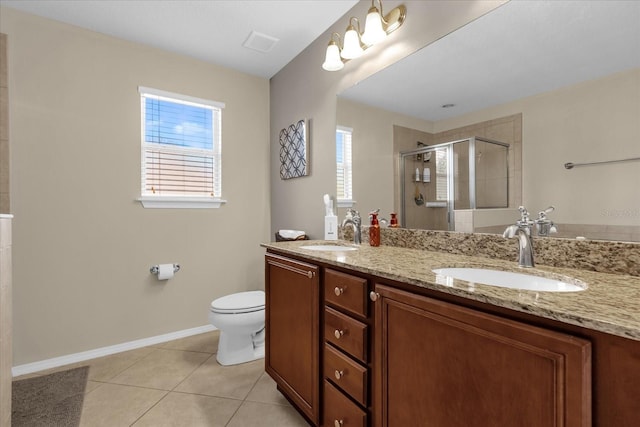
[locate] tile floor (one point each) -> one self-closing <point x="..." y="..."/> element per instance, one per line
<point x="180" y="383"/>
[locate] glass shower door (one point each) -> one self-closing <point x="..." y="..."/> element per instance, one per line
<point x="427" y="189"/>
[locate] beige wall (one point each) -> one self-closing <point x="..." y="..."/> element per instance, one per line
<point x="374" y="157"/>
<point x="4" y="128"/>
<point x="6" y="317"/>
<point x="82" y="246"/>
<point x="587" y="122"/>
<point x="304" y="90"/>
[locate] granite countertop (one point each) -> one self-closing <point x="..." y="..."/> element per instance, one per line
<point x="610" y="304"/>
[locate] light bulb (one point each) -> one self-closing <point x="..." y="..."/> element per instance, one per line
<point x="373" y="31"/>
<point x="332" y="61"/>
<point x="351" y="48"/>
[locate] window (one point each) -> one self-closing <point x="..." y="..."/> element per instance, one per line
<point x="442" y="177"/>
<point x="181" y="150"/>
<point x="343" y="166"/>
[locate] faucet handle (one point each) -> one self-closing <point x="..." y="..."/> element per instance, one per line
<point x="354" y="215"/>
<point x="549" y="209"/>
<point x="542" y="215"/>
<point x="543" y="224"/>
<point x="525" y="220"/>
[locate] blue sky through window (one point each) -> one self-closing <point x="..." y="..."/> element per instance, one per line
<point x="178" y="124"/>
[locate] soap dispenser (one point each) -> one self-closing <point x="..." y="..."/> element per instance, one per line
<point x="393" y="222"/>
<point x="374" y="229"/>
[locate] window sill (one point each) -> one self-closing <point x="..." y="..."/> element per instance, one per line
<point x="346" y="203"/>
<point x="172" y="202"/>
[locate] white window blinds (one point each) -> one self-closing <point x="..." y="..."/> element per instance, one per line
<point x="442" y="177"/>
<point x="344" y="163"/>
<point x="181" y="145"/>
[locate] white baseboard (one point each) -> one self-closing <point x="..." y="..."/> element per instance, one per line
<point x="30" y="368"/>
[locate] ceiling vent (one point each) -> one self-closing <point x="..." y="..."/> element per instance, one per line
<point x="260" y="42"/>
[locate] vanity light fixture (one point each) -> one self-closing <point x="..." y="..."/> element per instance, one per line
<point x="377" y="27"/>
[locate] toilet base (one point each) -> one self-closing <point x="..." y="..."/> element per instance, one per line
<point x="235" y="349"/>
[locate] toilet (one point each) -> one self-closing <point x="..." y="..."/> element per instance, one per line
<point x="240" y="319"/>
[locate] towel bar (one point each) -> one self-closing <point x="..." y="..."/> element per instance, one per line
<point x="572" y="165"/>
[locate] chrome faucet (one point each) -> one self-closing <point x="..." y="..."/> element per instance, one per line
<point x="522" y="230"/>
<point x="353" y="219"/>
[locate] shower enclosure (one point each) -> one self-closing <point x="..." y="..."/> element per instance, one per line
<point x="438" y="180"/>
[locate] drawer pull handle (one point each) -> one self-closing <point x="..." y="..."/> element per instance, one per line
<point x="339" y="374"/>
<point x="337" y="423"/>
<point x="338" y="333"/>
<point x="373" y="296"/>
<point x="338" y="291"/>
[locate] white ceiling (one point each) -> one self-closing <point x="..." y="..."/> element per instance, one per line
<point x="212" y="30"/>
<point x="521" y="49"/>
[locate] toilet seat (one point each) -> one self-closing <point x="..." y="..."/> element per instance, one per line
<point x="241" y="302"/>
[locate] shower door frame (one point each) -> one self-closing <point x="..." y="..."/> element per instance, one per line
<point x="450" y="176"/>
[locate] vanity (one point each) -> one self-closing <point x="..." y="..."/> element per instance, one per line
<point x="372" y="337"/>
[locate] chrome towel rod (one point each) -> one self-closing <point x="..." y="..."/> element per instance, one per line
<point x="571" y="165"/>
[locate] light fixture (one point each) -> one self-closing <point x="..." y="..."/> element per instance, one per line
<point x="352" y="48"/>
<point x="332" y="60"/>
<point x="377" y="27"/>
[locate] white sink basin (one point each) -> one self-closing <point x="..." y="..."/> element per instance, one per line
<point x="329" y="248"/>
<point x="507" y="279"/>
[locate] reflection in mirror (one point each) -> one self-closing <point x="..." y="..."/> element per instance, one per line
<point x="554" y="80"/>
<point x="439" y="181"/>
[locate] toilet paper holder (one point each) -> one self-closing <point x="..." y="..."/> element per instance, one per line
<point x="155" y="269"/>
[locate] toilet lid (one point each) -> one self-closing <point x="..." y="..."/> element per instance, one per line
<point x="241" y="302"/>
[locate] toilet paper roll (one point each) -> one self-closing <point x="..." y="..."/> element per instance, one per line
<point x="165" y="271"/>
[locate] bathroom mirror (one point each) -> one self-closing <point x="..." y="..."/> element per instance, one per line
<point x="567" y="73"/>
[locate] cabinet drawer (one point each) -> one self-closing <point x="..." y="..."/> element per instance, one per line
<point x="347" y="374"/>
<point x="346" y="333"/>
<point x="340" y="411"/>
<point x="346" y="291"/>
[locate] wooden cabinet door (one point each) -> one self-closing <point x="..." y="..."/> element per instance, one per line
<point x="441" y="365"/>
<point x="292" y="331"/>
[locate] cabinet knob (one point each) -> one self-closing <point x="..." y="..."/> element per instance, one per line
<point x="338" y="333"/>
<point x="338" y="374"/>
<point x="338" y="291"/>
<point x="337" y="423"/>
<point x="373" y="296"/>
<point x="310" y="274"/>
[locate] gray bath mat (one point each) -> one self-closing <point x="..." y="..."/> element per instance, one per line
<point x="50" y="400"/>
